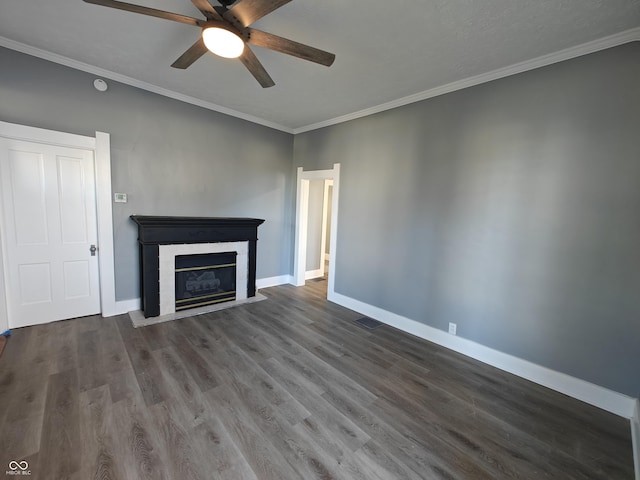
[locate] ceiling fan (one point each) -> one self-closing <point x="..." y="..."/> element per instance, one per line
<point x="226" y="32"/>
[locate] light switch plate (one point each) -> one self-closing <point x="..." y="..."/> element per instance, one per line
<point x="120" y="197"/>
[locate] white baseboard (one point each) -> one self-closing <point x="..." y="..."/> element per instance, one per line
<point x="596" y="395"/>
<point x="635" y="437"/>
<point x="273" y="281"/>
<point x="310" y="274"/>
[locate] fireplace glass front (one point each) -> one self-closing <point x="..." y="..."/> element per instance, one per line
<point x="205" y="279"/>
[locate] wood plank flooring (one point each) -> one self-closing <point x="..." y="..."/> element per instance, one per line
<point x="287" y="388"/>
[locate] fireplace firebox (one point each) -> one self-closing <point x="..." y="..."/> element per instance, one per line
<point x="205" y="279"/>
<point x="194" y="261"/>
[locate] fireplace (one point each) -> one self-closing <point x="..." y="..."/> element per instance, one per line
<point x="190" y="262"/>
<point x="204" y="279"/>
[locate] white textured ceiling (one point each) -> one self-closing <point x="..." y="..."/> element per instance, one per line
<point x="384" y="50"/>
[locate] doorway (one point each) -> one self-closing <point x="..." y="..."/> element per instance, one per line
<point x="318" y="228"/>
<point x="81" y="168"/>
<point x="328" y="182"/>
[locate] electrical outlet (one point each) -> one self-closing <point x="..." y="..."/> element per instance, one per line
<point x="452" y="328"/>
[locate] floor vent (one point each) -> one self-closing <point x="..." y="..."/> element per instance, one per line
<point x="369" y="322"/>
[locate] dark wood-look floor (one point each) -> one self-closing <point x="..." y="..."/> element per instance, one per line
<point x="287" y="388"/>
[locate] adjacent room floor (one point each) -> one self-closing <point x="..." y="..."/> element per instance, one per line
<point x="287" y="388"/>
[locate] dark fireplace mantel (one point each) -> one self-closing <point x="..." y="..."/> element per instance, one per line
<point x="154" y="231"/>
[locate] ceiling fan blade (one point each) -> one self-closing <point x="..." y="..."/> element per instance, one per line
<point x="252" y="63"/>
<point x="193" y="53"/>
<point x="250" y="11"/>
<point x="207" y="10"/>
<point x="152" y="12"/>
<point x="283" y="45"/>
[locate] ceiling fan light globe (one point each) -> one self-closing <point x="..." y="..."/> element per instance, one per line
<point x="222" y="42"/>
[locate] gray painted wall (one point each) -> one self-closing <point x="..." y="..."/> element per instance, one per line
<point x="510" y="208"/>
<point x="314" y="225"/>
<point x="171" y="158"/>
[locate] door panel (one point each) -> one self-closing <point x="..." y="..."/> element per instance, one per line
<point x="49" y="224"/>
<point x="73" y="215"/>
<point x="27" y="189"/>
<point x="35" y="283"/>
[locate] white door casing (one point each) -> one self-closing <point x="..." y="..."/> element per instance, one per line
<point x="49" y="212"/>
<point x="326" y="221"/>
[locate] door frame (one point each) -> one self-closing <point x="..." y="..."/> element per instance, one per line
<point x="302" y="212"/>
<point x="326" y="219"/>
<point x="101" y="147"/>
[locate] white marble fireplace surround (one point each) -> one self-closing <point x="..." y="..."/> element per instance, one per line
<point x="167" y="278"/>
<point x="167" y="268"/>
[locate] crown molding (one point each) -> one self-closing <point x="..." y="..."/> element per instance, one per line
<point x="621" y="38"/>
<point x="101" y="72"/>
<point x="615" y="40"/>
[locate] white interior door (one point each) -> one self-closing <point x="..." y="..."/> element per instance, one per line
<point x="48" y="225"/>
